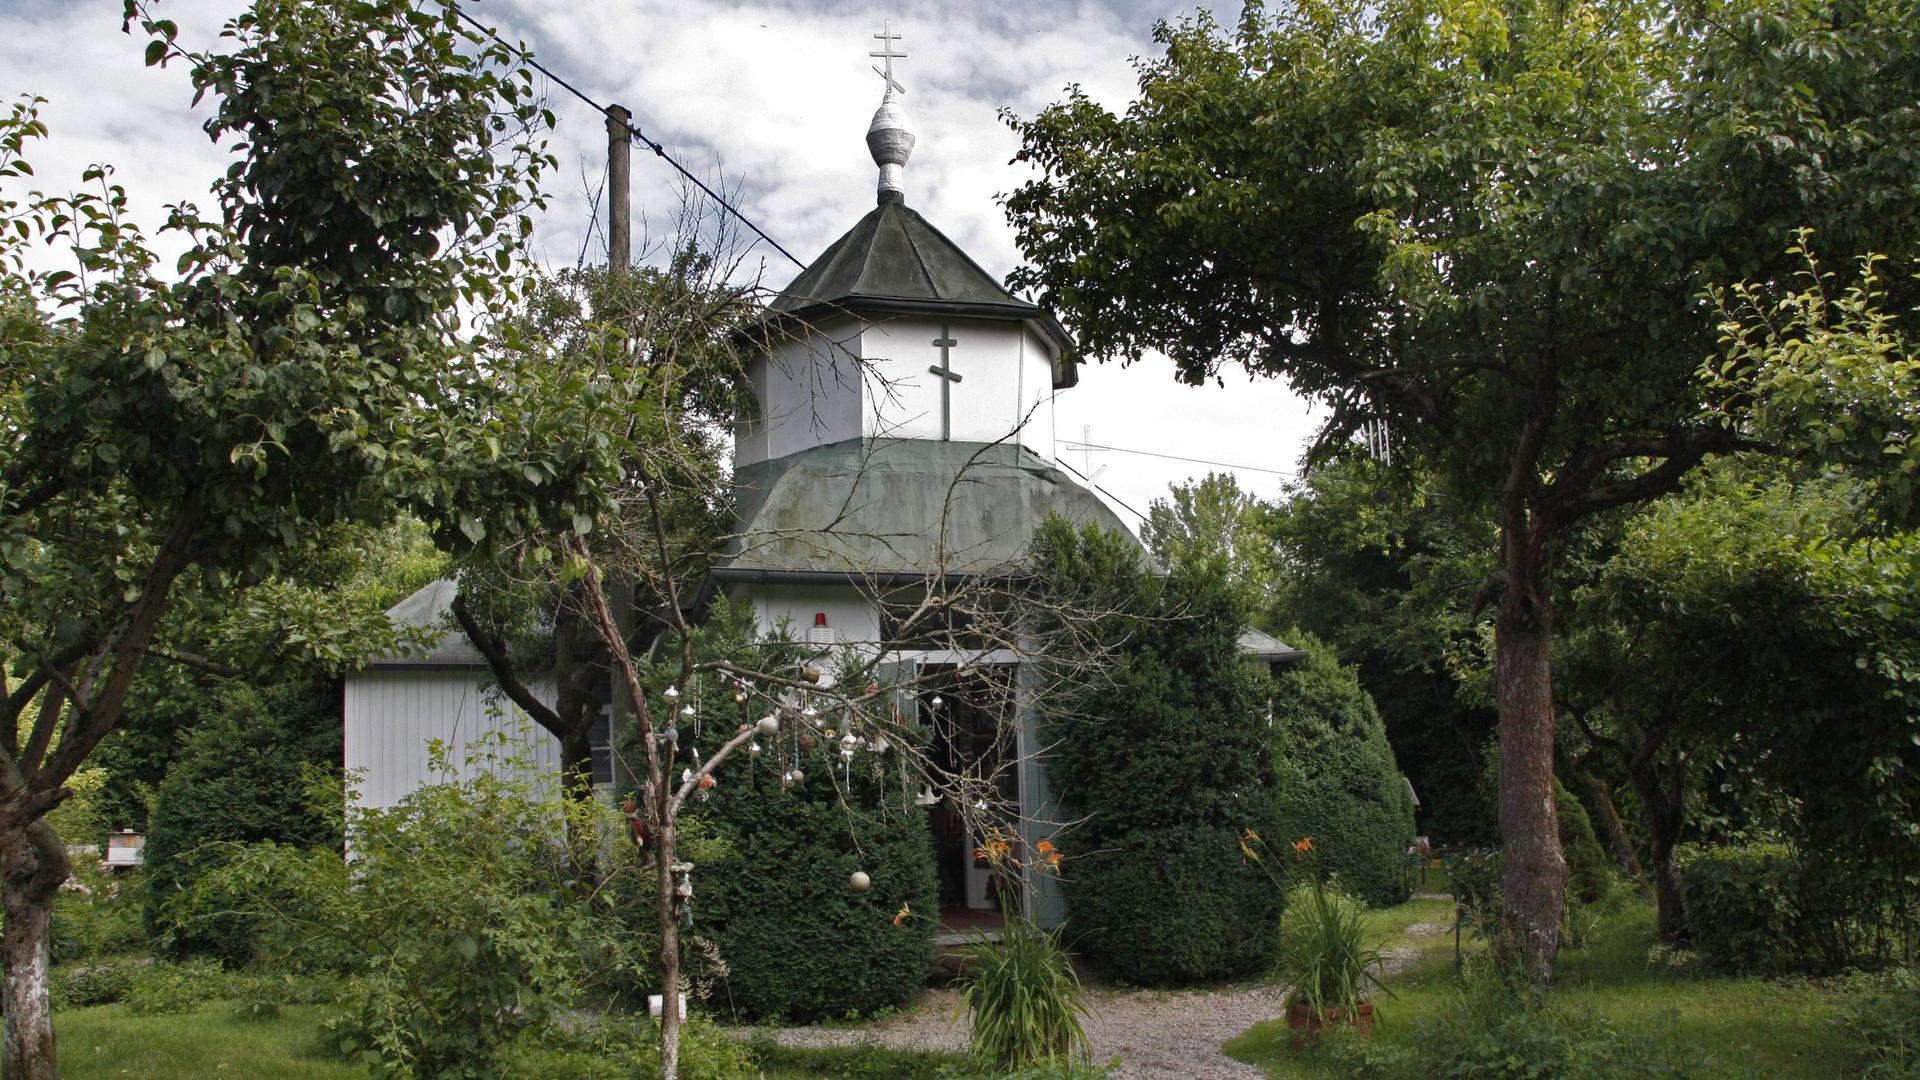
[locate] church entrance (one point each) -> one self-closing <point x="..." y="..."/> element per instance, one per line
<point x="972" y="714"/>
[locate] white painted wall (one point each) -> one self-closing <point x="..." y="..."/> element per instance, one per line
<point x="845" y="378"/>
<point x="809" y="393"/>
<point x="393" y="714"/>
<point x="1006" y="381"/>
<point x="850" y="614"/>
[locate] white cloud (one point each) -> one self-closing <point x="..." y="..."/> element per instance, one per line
<point x="776" y="98"/>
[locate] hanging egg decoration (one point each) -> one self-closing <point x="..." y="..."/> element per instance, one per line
<point x="672" y="693"/>
<point x="810" y="673"/>
<point x="769" y="724"/>
<point x="686" y="710"/>
<point x="807" y="741"/>
<point x="797" y="775"/>
<point x="937" y="701"/>
<point x="860" y="881"/>
<point x="753" y="748"/>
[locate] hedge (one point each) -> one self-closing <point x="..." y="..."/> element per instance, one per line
<point x="1163" y="759"/>
<point x="1769" y="909"/>
<point x="1338" y="782"/>
<point x="1174" y="905"/>
<point x="241" y="777"/>
<point x="798" y="942"/>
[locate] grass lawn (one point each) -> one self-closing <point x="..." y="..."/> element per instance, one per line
<point x="107" y="1041"/>
<point x="1724" y="1027"/>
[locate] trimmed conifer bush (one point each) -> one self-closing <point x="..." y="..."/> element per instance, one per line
<point x="1338" y="781"/>
<point x="798" y="942"/>
<point x="1163" y="757"/>
<point x="241" y="777"/>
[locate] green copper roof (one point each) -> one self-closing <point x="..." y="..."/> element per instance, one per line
<point x="894" y="261"/>
<point x="882" y="507"/>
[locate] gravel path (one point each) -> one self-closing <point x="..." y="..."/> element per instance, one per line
<point x="1154" y="1033"/>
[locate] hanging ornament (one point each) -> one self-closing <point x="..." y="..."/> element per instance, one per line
<point x="672" y="736"/>
<point x="809" y="712"/>
<point x="878" y="745"/>
<point x="686" y="710"/>
<point x="769" y="724"/>
<point x="753" y="748"/>
<point x="927" y="797"/>
<point x="739" y="697"/>
<point x="810" y="673"/>
<point x="807" y="741"/>
<point x="672" y="693"/>
<point x="937" y="701"/>
<point x="860" y="881"/>
<point x="786" y="778"/>
<point x="798" y="775"/>
<point x="686" y="775"/>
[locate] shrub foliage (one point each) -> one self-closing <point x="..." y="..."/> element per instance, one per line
<point x="1166" y="759"/>
<point x="1338" y="781"/>
<point x="1771" y="909"/>
<point x="243" y="777"/>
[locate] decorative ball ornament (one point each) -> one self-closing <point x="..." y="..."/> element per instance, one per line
<point x="769" y="724"/>
<point x="937" y="701"/>
<point x="686" y="710"/>
<point x="739" y="697"/>
<point x="810" y="673"/>
<point x="848" y="742"/>
<point x="809" y="712"/>
<point x="673" y="735"/>
<point x="753" y="748"/>
<point x="797" y="775"/>
<point x="860" y="881"/>
<point x="672" y="693"/>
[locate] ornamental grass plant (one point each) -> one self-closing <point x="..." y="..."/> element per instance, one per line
<point x="1323" y="952"/>
<point x="1024" y="997"/>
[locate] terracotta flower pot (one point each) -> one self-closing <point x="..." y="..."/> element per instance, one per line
<point x="1306" y="1027"/>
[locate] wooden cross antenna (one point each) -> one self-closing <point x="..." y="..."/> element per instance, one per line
<point x="886" y="37"/>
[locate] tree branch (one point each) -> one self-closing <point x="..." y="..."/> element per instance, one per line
<point x="494" y="651"/>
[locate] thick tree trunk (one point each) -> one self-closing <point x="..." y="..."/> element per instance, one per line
<point x="669" y="904"/>
<point x="1666" y="815"/>
<point x="33" y="863"/>
<point x="1536" y="872"/>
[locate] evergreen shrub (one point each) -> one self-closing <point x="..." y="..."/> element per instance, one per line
<point x="1338" y="782"/>
<point x="797" y="941"/>
<point x="1173" y="905"/>
<point x="1589" y="870"/>
<point x="243" y="776"/>
<point x="1161" y="750"/>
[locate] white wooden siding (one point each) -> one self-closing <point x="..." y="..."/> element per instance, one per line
<point x="392" y="717"/>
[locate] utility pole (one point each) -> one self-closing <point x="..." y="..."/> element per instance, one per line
<point x="619" y="249"/>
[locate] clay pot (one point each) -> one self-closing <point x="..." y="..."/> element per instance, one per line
<point x="1305" y="1027"/>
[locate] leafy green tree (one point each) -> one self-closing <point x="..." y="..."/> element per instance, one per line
<point x="1489" y="228"/>
<point x="299" y="369"/>
<point x="1740" y="626"/>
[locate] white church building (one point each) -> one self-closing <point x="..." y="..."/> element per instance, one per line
<point x="904" y="436"/>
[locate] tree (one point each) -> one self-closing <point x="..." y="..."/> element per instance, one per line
<point x="291" y="376"/>
<point x="1489" y="228"/>
<point x="1738" y="628"/>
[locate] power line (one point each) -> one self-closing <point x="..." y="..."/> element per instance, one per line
<point x="634" y="132"/>
<point x="1177" y="457"/>
<point x="1102" y="490"/>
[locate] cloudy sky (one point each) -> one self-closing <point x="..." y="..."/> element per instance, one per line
<point x="775" y="98"/>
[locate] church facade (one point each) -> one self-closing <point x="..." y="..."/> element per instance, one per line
<point x="902" y="444"/>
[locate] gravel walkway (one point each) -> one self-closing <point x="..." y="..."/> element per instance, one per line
<point x="1155" y="1033"/>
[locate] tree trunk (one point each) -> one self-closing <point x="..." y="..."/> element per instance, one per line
<point x="1617" y="836"/>
<point x="669" y="904"/>
<point x="33" y="863"/>
<point x="1665" y="811"/>
<point x="1536" y="873"/>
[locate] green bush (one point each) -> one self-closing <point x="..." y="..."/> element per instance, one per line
<point x="1768" y="909"/>
<point x="626" y="1049"/>
<point x="103" y="982"/>
<point x="1024" y="999"/>
<point x="1337" y="778"/>
<point x="1883" y="1013"/>
<point x="242" y="777"/>
<point x="458" y="923"/>
<point x="797" y="942"/>
<point x="1589" y="873"/>
<point x="1323" y="951"/>
<point x="1160" y="747"/>
<point x="160" y="988"/>
<point x="1173" y="905"/>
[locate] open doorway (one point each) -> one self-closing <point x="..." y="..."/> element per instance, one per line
<point x="971" y="712"/>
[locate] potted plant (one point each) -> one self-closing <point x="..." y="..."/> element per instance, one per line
<point x="1323" y="954"/>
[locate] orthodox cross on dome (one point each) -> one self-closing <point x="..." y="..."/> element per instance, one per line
<point x="948" y="376"/>
<point x="886" y="37"/>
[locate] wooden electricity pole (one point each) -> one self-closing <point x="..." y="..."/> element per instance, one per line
<point x="619" y="249"/>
